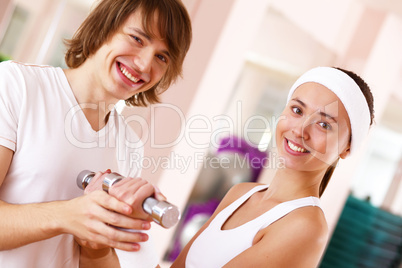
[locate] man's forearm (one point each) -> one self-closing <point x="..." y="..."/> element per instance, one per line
<point x="28" y="223"/>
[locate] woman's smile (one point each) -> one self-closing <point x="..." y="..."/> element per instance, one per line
<point x="295" y="148"/>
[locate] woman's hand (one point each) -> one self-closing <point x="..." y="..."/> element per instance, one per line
<point x="132" y="191"/>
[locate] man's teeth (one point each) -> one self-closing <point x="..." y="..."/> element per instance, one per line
<point x="295" y="148"/>
<point x="128" y="75"/>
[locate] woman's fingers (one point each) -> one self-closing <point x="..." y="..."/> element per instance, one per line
<point x="133" y="191"/>
<point x="158" y="194"/>
<point x="96" y="182"/>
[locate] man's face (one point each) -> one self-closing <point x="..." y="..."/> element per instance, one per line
<point x="131" y="61"/>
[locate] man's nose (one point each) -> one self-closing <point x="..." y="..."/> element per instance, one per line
<point x="143" y="60"/>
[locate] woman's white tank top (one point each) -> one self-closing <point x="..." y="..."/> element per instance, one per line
<point x="215" y="247"/>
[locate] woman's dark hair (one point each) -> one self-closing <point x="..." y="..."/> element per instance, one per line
<point x="173" y="24"/>
<point x="370" y="102"/>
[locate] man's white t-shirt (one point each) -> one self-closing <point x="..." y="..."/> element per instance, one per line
<point x="41" y="121"/>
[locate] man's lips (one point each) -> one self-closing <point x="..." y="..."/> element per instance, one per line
<point x="125" y="71"/>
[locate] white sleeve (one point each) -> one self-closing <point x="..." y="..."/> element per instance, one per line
<point x="10" y="103"/>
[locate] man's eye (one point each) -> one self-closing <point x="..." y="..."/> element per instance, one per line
<point x="136" y="39"/>
<point x="162" y="58"/>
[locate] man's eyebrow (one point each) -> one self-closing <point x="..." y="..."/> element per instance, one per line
<point x="333" y="118"/>
<point x="146" y="36"/>
<point x="141" y="32"/>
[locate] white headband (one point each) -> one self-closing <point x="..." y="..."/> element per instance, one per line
<point x="350" y="95"/>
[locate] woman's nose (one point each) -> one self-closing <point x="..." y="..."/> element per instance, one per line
<point x="301" y="129"/>
<point x="298" y="131"/>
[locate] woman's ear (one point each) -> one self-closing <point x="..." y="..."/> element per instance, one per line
<point x="345" y="153"/>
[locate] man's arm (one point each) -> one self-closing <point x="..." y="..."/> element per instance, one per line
<point x="87" y="217"/>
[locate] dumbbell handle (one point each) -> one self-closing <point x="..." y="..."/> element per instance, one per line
<point x="162" y="212"/>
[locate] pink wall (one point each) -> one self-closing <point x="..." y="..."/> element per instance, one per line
<point x="5" y="9"/>
<point x="167" y="121"/>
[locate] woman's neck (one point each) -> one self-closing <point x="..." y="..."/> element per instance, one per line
<point x="288" y="184"/>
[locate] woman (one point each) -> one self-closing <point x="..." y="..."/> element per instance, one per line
<point x="55" y="123"/>
<point x="328" y="114"/>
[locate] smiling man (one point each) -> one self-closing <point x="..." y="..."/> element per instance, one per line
<point x="128" y="50"/>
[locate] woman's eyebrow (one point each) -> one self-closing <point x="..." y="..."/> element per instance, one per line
<point x="300" y="102"/>
<point x="333" y="118"/>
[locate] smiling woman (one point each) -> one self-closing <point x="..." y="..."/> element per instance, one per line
<point x="327" y="115"/>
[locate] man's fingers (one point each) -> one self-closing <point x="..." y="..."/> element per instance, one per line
<point x="117" y="213"/>
<point x="111" y="203"/>
<point x="123" y="239"/>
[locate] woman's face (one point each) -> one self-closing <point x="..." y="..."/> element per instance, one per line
<point x="131" y="61"/>
<point x="315" y="129"/>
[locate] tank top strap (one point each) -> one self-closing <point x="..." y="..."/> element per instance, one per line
<point x="282" y="209"/>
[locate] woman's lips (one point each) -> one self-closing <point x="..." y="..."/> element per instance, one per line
<point x="295" y="148"/>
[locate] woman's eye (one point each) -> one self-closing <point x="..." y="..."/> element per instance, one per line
<point x="296" y="110"/>
<point x="325" y="125"/>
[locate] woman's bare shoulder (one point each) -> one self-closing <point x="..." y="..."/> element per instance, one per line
<point x="306" y="223"/>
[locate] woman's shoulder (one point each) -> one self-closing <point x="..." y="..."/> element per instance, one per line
<point x="309" y="217"/>
<point x="302" y="233"/>
<point x="305" y="222"/>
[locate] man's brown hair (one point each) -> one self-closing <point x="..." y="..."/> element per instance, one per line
<point x="173" y="24"/>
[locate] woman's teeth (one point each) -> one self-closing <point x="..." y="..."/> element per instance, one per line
<point x="128" y="75"/>
<point x="296" y="148"/>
